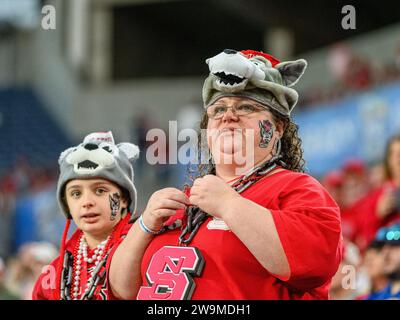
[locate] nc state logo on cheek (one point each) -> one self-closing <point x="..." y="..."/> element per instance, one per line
<point x="266" y="132"/>
<point x="169" y="274"/>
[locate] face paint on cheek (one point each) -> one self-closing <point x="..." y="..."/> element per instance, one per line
<point x="266" y="133"/>
<point x="115" y="203"/>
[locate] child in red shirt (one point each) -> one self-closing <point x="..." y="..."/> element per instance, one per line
<point x="96" y="190"/>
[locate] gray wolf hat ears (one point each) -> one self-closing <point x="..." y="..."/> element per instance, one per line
<point x="130" y="150"/>
<point x="64" y="154"/>
<point x="291" y="71"/>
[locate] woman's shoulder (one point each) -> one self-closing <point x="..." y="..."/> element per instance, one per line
<point x="289" y="176"/>
<point x="286" y="182"/>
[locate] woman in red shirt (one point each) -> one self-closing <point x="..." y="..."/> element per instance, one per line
<point x="252" y="226"/>
<point x="381" y="207"/>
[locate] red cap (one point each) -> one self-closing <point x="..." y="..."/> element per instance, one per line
<point x="251" y="53"/>
<point x="333" y="179"/>
<point x="354" y="166"/>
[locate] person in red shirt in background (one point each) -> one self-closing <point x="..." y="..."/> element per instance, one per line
<point x="354" y="189"/>
<point x="333" y="183"/>
<point x="380" y="206"/>
<point x="95" y="189"/>
<point x="376" y="175"/>
<point x="355" y="181"/>
<point x="259" y="229"/>
<point x="348" y="186"/>
<point x="385" y="201"/>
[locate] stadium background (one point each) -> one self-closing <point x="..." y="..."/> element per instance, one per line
<point x="132" y="65"/>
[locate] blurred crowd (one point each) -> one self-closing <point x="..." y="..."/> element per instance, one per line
<point x="369" y="198"/>
<point x="368" y="195"/>
<point x="23" y="269"/>
<point x="351" y="73"/>
<point x="22" y="258"/>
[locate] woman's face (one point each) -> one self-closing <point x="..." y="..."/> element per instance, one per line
<point x="391" y="259"/>
<point x="95" y="205"/>
<point x="237" y="138"/>
<point x="394" y="159"/>
<point x="374" y="262"/>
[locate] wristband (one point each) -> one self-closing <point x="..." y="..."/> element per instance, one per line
<point x="146" y="229"/>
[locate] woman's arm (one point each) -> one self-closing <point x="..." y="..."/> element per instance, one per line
<point x="125" y="277"/>
<point x="252" y="223"/>
<point x="255" y="227"/>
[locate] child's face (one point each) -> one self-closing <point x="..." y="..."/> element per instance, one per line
<point x="95" y="205"/>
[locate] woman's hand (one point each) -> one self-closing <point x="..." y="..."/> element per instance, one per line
<point x="162" y="205"/>
<point x="213" y="195"/>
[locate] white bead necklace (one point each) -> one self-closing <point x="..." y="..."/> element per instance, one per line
<point x="96" y="258"/>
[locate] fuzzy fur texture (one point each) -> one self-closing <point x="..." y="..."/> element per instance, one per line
<point x="99" y="157"/>
<point x="255" y="76"/>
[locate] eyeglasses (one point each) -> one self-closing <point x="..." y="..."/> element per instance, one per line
<point x="217" y="111"/>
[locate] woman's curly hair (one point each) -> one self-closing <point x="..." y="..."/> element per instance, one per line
<point x="291" y="150"/>
<point x="387" y="170"/>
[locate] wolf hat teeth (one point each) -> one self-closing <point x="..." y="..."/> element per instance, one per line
<point x="229" y="78"/>
<point x="87" y="164"/>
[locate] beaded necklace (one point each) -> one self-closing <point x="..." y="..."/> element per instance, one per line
<point x="77" y="267"/>
<point x="80" y="267"/>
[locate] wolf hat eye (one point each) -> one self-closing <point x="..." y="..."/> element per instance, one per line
<point x="109" y="148"/>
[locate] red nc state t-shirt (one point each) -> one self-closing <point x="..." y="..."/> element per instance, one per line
<point x="308" y="223"/>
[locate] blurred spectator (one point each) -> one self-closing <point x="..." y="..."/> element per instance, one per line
<point x="21" y="175"/>
<point x="376" y="176"/>
<point x="7" y="207"/>
<point x="374" y="264"/>
<point x="5" y="294"/>
<point x="354" y="188"/>
<point x="358" y="76"/>
<point x="391" y="71"/>
<point x="344" y="283"/>
<point x="385" y="201"/>
<point x="379" y="207"/>
<point x="333" y="182"/>
<point x="28" y="265"/>
<point x="354" y="181"/>
<point x="391" y="255"/>
<point x="351" y="73"/>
